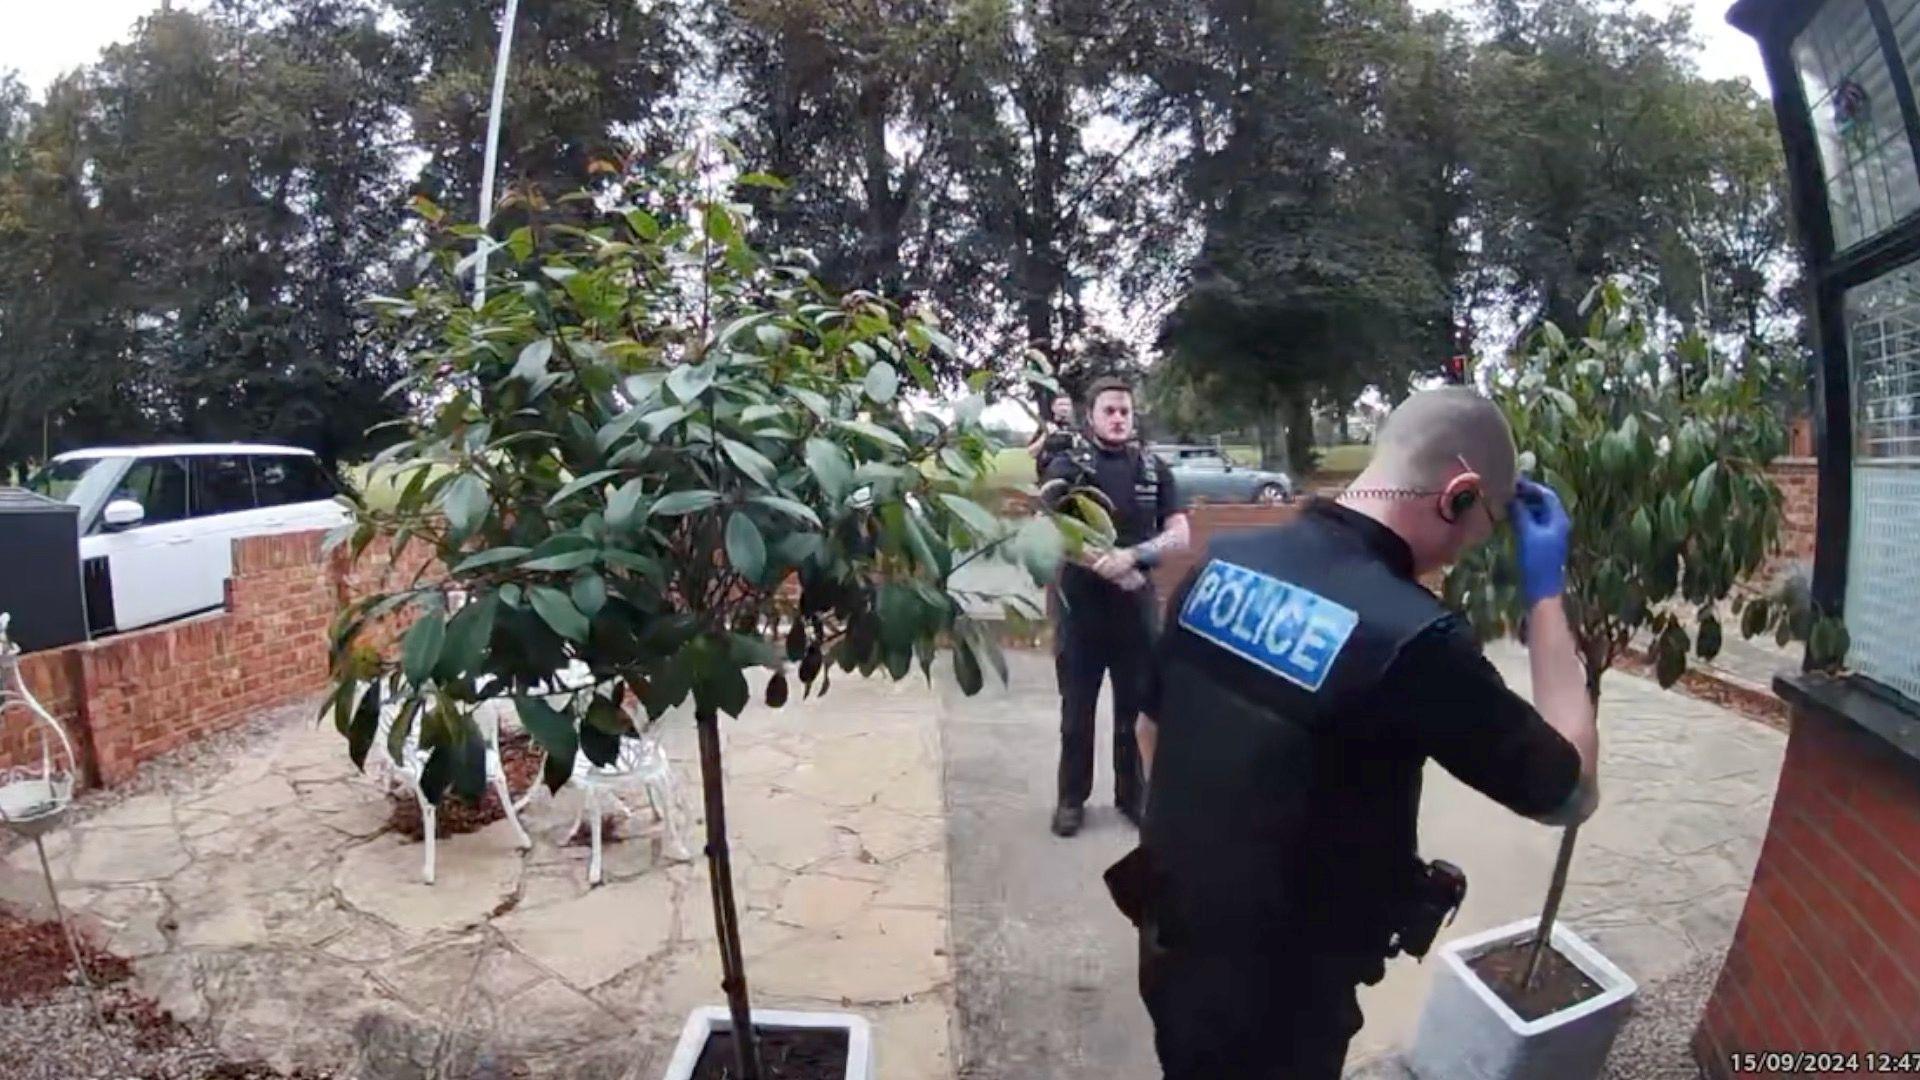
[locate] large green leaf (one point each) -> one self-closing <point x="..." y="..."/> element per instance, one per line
<point x="563" y="561"/>
<point x="746" y="548"/>
<point x="724" y="689"/>
<point x="976" y="517"/>
<point x="830" y="466"/>
<point x="556" y="609"/>
<point x="645" y="565"/>
<point x="966" y="668"/>
<point x="532" y="363"/>
<point x="623" y="508"/>
<point x="750" y="461"/>
<point x="815" y="402"/>
<point x="468" y="635"/>
<point x="800" y="512"/>
<point x="600" y="747"/>
<point x="1705" y="491"/>
<point x="679" y="503"/>
<point x="873" y="433"/>
<point x="489" y="557"/>
<point x="402" y="727"/>
<point x="689" y="381"/>
<point x="420" y="649"/>
<point x="555" y="733"/>
<point x="366" y="724"/>
<point x="882" y="382"/>
<point x="589" y="594"/>
<point x="580" y="485"/>
<point x="465" y="502"/>
<point x="1707" y="637"/>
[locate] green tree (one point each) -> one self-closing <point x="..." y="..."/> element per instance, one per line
<point x="847" y="104"/>
<point x="1329" y="189"/>
<point x="587" y="77"/>
<point x="646" y="432"/>
<point x="1666" y="484"/>
<point x="1581" y="115"/>
<point x="192" y="219"/>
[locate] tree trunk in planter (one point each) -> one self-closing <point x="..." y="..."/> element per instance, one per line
<point x="1596" y="658"/>
<point x="1551" y="912"/>
<point x="726" y="917"/>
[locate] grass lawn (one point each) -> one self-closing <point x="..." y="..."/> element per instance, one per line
<point x="1344" y="459"/>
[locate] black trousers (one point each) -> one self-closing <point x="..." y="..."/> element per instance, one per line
<point x="1223" y="1014"/>
<point x="1095" y="638"/>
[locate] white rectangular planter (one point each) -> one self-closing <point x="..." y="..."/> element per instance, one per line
<point x="1468" y="1033"/>
<point x="711" y="1018"/>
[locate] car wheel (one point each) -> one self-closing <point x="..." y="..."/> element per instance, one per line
<point x="1269" y="494"/>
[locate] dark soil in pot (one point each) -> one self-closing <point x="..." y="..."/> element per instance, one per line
<point x="786" y="1053"/>
<point x="1557" y="985"/>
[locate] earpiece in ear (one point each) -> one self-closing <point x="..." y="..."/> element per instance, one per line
<point x="1460" y="503"/>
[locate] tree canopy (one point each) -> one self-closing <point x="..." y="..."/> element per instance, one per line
<point x="1267" y="205"/>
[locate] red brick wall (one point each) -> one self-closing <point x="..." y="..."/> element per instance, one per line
<point x="1823" y="959"/>
<point x="1207" y="521"/>
<point x="53" y="678"/>
<point x="1799" y="481"/>
<point x="128" y="698"/>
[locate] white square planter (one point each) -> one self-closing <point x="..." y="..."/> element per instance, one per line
<point x="711" y="1018"/>
<point x="1468" y="1033"/>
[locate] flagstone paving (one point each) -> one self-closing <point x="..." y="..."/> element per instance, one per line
<point x="266" y="901"/>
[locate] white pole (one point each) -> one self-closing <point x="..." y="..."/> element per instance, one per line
<point x="493" y="151"/>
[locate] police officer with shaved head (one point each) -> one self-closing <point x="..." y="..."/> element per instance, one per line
<point x="1304" y="678"/>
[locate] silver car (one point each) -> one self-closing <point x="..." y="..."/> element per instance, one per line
<point x="1206" y="473"/>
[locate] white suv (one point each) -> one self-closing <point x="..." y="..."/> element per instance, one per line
<point x="157" y="523"/>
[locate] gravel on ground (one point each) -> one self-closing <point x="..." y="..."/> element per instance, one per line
<point x="1655" y="1043"/>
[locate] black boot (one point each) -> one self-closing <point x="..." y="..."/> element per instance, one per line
<point x="1068" y="819"/>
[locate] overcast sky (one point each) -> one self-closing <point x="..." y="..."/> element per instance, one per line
<point x="43" y="38"/>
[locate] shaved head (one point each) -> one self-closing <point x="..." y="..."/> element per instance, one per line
<point x="1437" y="434"/>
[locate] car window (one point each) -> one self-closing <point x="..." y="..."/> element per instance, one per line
<point x="1208" y="462"/>
<point x="280" y="479"/>
<point x="81" y="482"/>
<point x="159" y="485"/>
<point x="221" y="485"/>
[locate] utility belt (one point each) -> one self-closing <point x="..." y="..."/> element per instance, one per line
<point x="1431" y="901"/>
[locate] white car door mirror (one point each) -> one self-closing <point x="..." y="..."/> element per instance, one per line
<point x="124" y="514"/>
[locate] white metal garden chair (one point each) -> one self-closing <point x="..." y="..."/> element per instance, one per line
<point x="642" y="765"/>
<point x="405" y="774"/>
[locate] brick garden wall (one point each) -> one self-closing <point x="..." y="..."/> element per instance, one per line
<point x="1798" y="479"/>
<point x="129" y="698"/>
<point x="1209" y="520"/>
<point x="1823" y="959"/>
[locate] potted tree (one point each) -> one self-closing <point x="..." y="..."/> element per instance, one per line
<point x="658" y="457"/>
<point x="1659" y="453"/>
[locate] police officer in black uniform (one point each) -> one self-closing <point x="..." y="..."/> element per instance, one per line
<point x="1104" y="611"/>
<point x="1304" y="678"/>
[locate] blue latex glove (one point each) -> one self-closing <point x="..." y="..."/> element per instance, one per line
<point x="1541" y="528"/>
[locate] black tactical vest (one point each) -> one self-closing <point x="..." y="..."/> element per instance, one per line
<point x="1146" y="488"/>
<point x="1268" y="814"/>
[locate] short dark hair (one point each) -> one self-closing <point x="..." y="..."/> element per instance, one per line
<point x="1105" y="383"/>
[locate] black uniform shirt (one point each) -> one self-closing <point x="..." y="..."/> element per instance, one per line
<point x="1440" y="699"/>
<point x="1115" y="472"/>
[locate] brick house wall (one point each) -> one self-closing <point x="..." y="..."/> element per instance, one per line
<point x="129" y="698"/>
<point x="1823" y="959"/>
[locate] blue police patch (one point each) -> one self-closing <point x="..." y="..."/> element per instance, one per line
<point x="1294" y="633"/>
